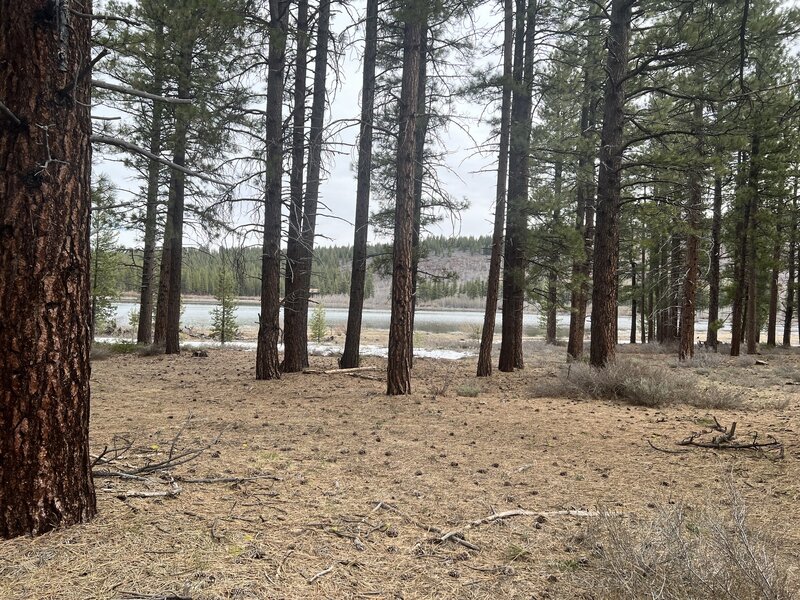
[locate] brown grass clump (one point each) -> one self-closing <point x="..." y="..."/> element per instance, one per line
<point x="680" y="554"/>
<point x="637" y="383"/>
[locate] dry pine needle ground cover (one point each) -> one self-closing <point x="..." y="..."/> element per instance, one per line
<point x="320" y="486"/>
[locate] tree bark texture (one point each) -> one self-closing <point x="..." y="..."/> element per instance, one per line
<point x="751" y="323"/>
<point x="606" y="240"/>
<point x="352" y="342"/>
<point x="742" y="207"/>
<point x="295" y="336"/>
<point x="400" y="332"/>
<point x="269" y="326"/>
<point x="492" y="286"/>
<point x="45" y="170"/>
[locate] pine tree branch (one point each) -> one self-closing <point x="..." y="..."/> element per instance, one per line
<point x="119" y="143"/>
<point x="134" y="92"/>
<point x="101" y="17"/>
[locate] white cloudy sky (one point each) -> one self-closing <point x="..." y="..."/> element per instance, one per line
<point x="470" y="175"/>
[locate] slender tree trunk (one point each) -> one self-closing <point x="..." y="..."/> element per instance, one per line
<point x="160" y="328"/>
<point x="492" y="286"/>
<point x="516" y="223"/>
<point x="643" y="298"/>
<point x="269" y="326"/>
<point x="306" y="255"/>
<point x="45" y="174"/>
<point x="688" y="308"/>
<point x="676" y="270"/>
<point x="606" y="240"/>
<point x="176" y="200"/>
<point x="713" y="276"/>
<point x="790" y="283"/>
<point x="419" y="159"/>
<point x="552" y="275"/>
<point x="350" y="356"/>
<point x="772" y="322"/>
<point x="400" y="334"/>
<point x="633" y="302"/>
<point x="739" y="260"/>
<point x="752" y="290"/>
<point x="295" y="335"/>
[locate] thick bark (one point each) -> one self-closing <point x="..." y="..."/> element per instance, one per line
<point x="160" y="328"/>
<point x="714" y="271"/>
<point x="45" y="171"/>
<point x="751" y="323"/>
<point x="492" y="286"/>
<point x="676" y="271"/>
<point x="352" y="342"/>
<point x="144" y="333"/>
<point x="643" y="298"/>
<point x="295" y="332"/>
<point x="269" y="326"/>
<point x="398" y="373"/>
<point x="176" y="202"/>
<point x="606" y="240"/>
<point x="516" y="222"/>
<point x="299" y="345"/>
<point x="790" y="283"/>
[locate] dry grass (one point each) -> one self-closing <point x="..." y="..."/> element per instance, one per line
<point x="638" y="383"/>
<point x="686" y="554"/>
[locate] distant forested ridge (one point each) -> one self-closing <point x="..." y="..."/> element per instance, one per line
<point x="454" y="266"/>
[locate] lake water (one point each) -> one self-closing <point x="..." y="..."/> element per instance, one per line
<point x="431" y="321"/>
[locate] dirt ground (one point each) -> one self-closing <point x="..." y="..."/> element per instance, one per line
<point x="320" y="486"/>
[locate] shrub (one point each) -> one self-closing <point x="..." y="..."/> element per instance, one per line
<point x="468" y="390"/>
<point x="678" y="555"/>
<point x="636" y="383"/>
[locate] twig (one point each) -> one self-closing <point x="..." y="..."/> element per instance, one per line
<point x="227" y="479"/>
<point x="654" y="447"/>
<point x="320" y="574"/>
<point x="7" y="112"/>
<point x="174" y="492"/>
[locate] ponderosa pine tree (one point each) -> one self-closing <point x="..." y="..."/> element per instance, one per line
<point x="350" y="355"/>
<point x="45" y="470"/>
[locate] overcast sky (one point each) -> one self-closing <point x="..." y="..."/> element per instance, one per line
<point x="470" y="175"/>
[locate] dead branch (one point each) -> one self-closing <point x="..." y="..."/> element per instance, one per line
<point x="228" y="479"/>
<point x="101" y="17"/>
<point x="338" y="371"/>
<point x="519" y="512"/>
<point x="120" y="143"/>
<point x="129" y="91"/>
<point x="725" y="441"/>
<point x="666" y="450"/>
<point x="173" y="492"/>
<point x="138" y="596"/>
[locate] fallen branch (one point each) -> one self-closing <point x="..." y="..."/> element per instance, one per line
<point x="338" y="371"/>
<point x="227" y="479"/>
<point x="668" y="451"/>
<point x="171" y="493"/>
<point x="725" y="441"/>
<point x="519" y="512"/>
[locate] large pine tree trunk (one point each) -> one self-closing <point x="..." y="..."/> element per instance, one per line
<point x="606" y="239"/>
<point x="300" y="344"/>
<point x="677" y="268"/>
<point x="516" y="222"/>
<point x="295" y="334"/>
<point x="45" y="171"/>
<point x="739" y="260"/>
<point x="633" y="302"/>
<point x="790" y="283"/>
<point x="400" y="332"/>
<point x="269" y="326"/>
<point x="492" y="286"/>
<point x="352" y="342"/>
<point x="552" y="274"/>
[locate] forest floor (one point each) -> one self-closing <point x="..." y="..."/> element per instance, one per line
<point x="321" y="486"/>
